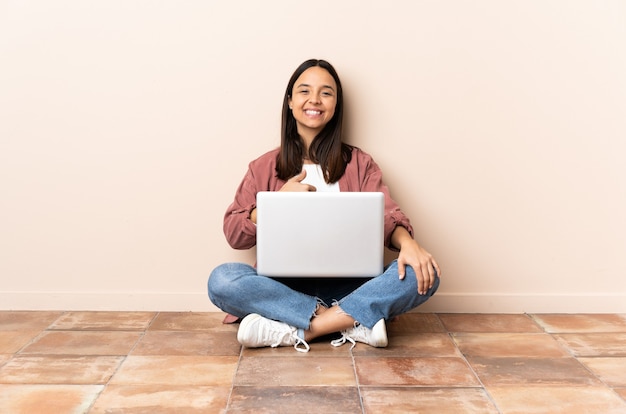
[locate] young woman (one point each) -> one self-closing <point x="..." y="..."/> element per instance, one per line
<point x="313" y="157"/>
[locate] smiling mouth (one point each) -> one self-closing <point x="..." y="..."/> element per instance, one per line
<point x="312" y="112"/>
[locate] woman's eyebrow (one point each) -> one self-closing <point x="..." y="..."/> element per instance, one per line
<point x="306" y="85"/>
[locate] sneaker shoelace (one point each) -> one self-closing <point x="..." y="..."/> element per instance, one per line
<point x="303" y="343"/>
<point x="344" y="337"/>
<point x="357" y="333"/>
<point x="285" y="336"/>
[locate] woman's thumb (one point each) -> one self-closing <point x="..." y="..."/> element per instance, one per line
<point x="301" y="176"/>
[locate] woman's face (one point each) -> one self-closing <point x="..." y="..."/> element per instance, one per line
<point x="313" y="100"/>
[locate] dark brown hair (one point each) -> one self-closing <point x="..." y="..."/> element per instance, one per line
<point x="327" y="148"/>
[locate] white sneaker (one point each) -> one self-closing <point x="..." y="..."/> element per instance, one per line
<point x="376" y="337"/>
<point x="256" y="331"/>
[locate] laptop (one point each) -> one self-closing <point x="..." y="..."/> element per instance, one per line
<point x="320" y="234"/>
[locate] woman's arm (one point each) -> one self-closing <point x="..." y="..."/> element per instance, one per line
<point x="240" y="217"/>
<point x="239" y="229"/>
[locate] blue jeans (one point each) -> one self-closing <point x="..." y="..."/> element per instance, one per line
<point x="236" y="288"/>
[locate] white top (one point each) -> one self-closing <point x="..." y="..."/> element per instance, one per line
<point x="315" y="178"/>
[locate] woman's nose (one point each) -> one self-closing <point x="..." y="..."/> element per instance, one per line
<point x="315" y="98"/>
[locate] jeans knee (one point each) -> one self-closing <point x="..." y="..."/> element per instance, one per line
<point x="218" y="282"/>
<point x="225" y="280"/>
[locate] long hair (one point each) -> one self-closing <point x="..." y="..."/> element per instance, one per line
<point x="327" y="148"/>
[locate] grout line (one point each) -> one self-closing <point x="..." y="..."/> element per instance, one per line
<point x="480" y="381"/>
<point x="123" y="359"/>
<point x="358" y="383"/>
<point x="154" y="318"/>
<point x="232" y="382"/>
<point x="38" y="336"/>
<point x="532" y="317"/>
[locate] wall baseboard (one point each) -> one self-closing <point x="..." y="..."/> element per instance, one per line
<point x="107" y="301"/>
<point x="199" y="302"/>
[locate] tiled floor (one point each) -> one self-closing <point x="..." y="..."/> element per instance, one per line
<point x="149" y="362"/>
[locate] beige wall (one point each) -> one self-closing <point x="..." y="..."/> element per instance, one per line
<point x="125" y="127"/>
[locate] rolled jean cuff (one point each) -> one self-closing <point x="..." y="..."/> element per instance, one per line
<point x="385" y="297"/>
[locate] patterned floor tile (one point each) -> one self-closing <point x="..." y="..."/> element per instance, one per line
<point x="427" y="401"/>
<point x="556" y="400"/>
<point x="594" y="344"/>
<point x="319" y="348"/>
<point x="581" y="323"/>
<point x="527" y="371"/>
<point x="176" y="370"/>
<point x="188" y="343"/>
<point x="290" y="399"/>
<point x="13" y="341"/>
<point x="104" y="321"/>
<point x="160" y="399"/>
<point x="488" y="322"/>
<point x="621" y="392"/>
<point x="83" y="343"/>
<point x="5" y="358"/>
<point x="611" y="370"/>
<point x="295" y="371"/>
<point x="27" y="320"/>
<point x="416" y="345"/>
<point x="382" y="371"/>
<point x="412" y="323"/>
<point x="59" y="369"/>
<point x="530" y="345"/>
<point x="192" y="321"/>
<point x="29" y="399"/>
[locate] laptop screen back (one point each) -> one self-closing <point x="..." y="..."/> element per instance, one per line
<point x="320" y="234"/>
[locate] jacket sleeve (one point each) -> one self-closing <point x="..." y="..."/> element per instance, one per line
<point x="394" y="216"/>
<point x="239" y="230"/>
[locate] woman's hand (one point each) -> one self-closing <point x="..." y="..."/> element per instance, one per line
<point x="295" y="183"/>
<point x="412" y="254"/>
